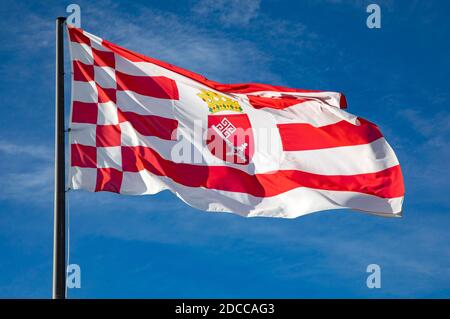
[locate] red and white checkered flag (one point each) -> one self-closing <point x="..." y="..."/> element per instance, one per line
<point x="140" y="126"/>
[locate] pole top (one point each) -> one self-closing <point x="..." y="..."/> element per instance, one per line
<point x="61" y="19"/>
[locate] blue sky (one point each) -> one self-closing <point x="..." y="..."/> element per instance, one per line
<point x="156" y="246"/>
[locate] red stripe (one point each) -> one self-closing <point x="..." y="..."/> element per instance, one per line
<point x="154" y="86"/>
<point x="387" y="183"/>
<point x="280" y="103"/>
<point x="242" y="88"/>
<point x="301" y="136"/>
<point x="77" y="35"/>
<point x="151" y="125"/>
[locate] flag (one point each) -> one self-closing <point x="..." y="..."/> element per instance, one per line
<point x="140" y="126"/>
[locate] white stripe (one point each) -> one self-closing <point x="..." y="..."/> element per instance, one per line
<point x="129" y="101"/>
<point x="312" y="112"/>
<point x="291" y="204"/>
<point x="131" y="137"/>
<point x="345" y="160"/>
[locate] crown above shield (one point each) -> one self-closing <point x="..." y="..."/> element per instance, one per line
<point x="219" y="102"/>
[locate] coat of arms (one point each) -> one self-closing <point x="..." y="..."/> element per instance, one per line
<point x="230" y="135"/>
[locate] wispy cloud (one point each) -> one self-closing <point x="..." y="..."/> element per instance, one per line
<point x="183" y="42"/>
<point x="26" y="172"/>
<point x="26" y="150"/>
<point x="33" y="32"/>
<point x="436" y="128"/>
<point x="228" y="12"/>
<point x="429" y="152"/>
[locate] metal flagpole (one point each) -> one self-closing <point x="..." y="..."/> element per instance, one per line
<point x="59" y="227"/>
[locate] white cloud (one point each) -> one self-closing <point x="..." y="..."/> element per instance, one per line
<point x="228" y="12"/>
<point x="26" y="172"/>
<point x="20" y="150"/>
<point x="183" y="42"/>
<point x="32" y="32"/>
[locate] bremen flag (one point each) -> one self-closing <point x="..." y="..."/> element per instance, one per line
<point x="140" y="126"/>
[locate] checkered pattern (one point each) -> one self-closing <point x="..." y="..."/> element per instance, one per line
<point x="96" y="120"/>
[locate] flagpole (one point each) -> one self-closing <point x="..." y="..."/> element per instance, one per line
<point x="59" y="226"/>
